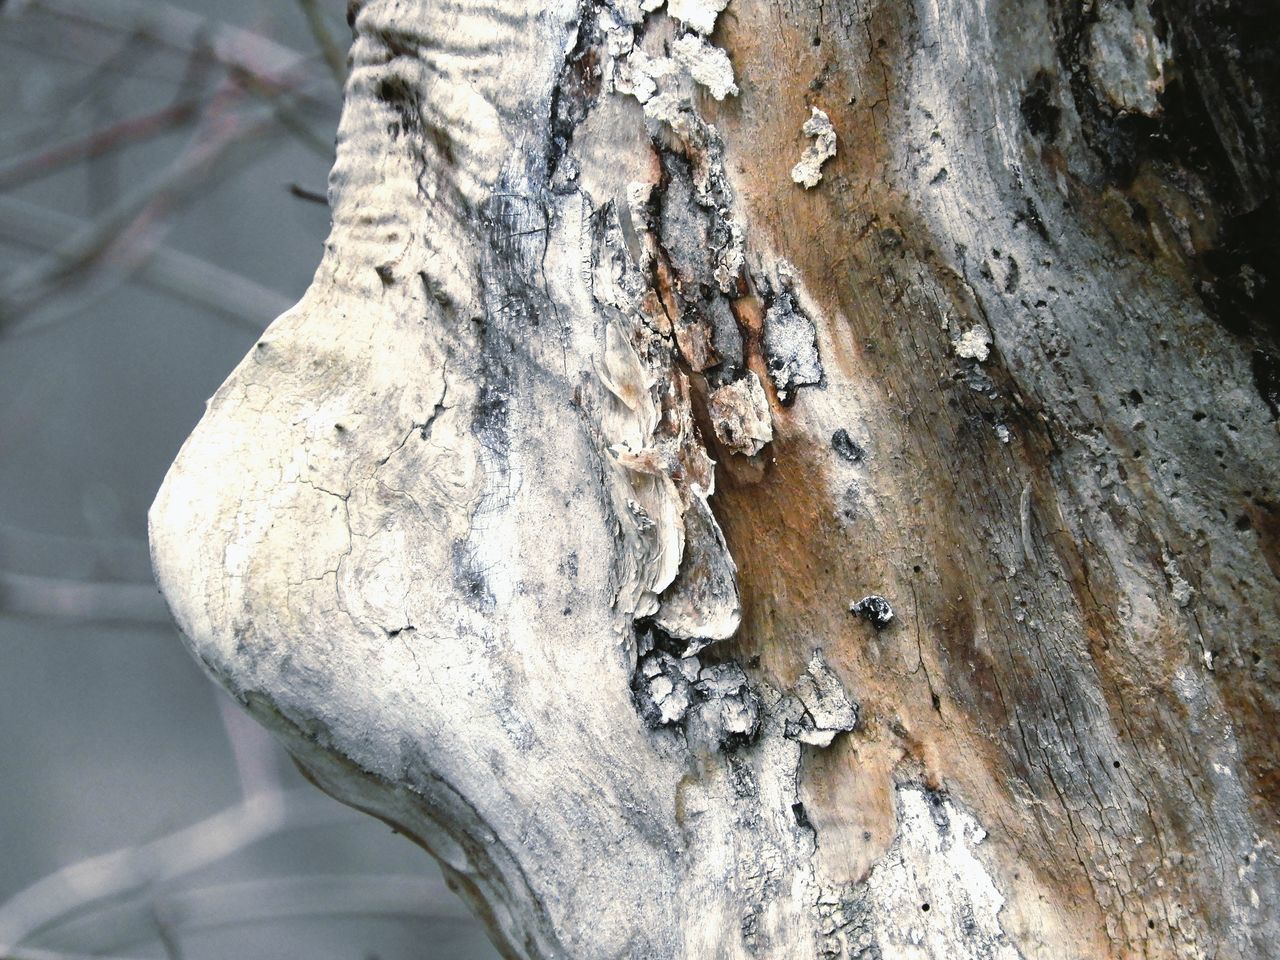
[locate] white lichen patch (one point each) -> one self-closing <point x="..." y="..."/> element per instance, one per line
<point x="1127" y="58"/>
<point x="699" y="15"/>
<point x="827" y="708"/>
<point x="739" y="413"/>
<point x="655" y="527"/>
<point x="728" y="711"/>
<point x="640" y="75"/>
<point x="618" y="41"/>
<point x="808" y="171"/>
<point x="1181" y="591"/>
<point x="702" y="602"/>
<point x="665" y="687"/>
<point x="790" y="347"/>
<point x="630" y="12"/>
<point x="930" y="896"/>
<point x="665" y="107"/>
<point x="731" y="259"/>
<point x="665" y="84"/>
<point x="707" y="65"/>
<point x="973" y="344"/>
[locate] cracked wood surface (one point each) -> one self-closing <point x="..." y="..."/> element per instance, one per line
<point x="534" y="528"/>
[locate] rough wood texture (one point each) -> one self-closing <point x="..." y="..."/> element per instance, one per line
<point x="712" y="539"/>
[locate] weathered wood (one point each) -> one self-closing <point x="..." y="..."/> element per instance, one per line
<point x="708" y="545"/>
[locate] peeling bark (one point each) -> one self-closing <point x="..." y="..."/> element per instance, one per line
<point x="701" y="560"/>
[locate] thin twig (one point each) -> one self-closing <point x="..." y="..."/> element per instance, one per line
<point x="255" y="754"/>
<point x="132" y="130"/>
<point x="182" y="30"/>
<point x="333" y="55"/>
<point x="270" y="900"/>
<point x="95" y="601"/>
<point x="196" y="281"/>
<point x="128" y="234"/>
<point x="84" y="557"/>
<point x="80" y="886"/>
<point x="278" y="898"/>
<point x="57" y="106"/>
<point x="31" y="953"/>
<point x="289" y="116"/>
<point x="167" y="936"/>
<point x="302" y="193"/>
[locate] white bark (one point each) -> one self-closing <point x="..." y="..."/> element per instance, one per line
<point x="452" y="529"/>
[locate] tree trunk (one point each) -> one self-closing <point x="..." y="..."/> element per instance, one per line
<point x="782" y="481"/>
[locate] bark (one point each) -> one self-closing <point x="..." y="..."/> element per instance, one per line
<point x="780" y="481"/>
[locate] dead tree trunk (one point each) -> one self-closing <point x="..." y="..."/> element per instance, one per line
<point x="781" y="480"/>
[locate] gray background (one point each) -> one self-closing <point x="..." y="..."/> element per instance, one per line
<point x="111" y="734"/>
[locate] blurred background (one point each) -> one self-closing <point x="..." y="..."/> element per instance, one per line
<point x="162" y="181"/>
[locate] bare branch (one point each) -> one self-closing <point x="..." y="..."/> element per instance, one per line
<point x="254" y="751"/>
<point x="49" y="160"/>
<point x="333" y="55"/>
<point x="186" y="32"/>
<point x="196" y="281"/>
<point x="128" y="233"/>
<point x="302" y="193"/>
<point x="131" y="870"/>
<point x="31" y="953"/>
<point x="281" y="898"/>
<point x="99" y="602"/>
